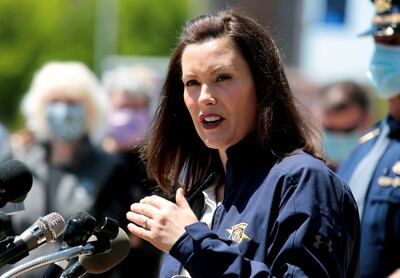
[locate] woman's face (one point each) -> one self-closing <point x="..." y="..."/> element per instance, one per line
<point x="219" y="92"/>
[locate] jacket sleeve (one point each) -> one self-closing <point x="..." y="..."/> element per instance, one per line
<point x="315" y="234"/>
<point x="317" y="231"/>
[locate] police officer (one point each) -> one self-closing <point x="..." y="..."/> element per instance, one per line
<point x="373" y="169"/>
<point x="345" y="116"/>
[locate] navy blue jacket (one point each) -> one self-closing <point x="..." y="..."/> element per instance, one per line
<point x="289" y="218"/>
<point x="380" y="224"/>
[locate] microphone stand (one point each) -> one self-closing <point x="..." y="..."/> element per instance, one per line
<point x="107" y="232"/>
<point x="69" y="253"/>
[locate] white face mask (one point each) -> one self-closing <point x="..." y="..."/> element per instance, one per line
<point x="66" y="120"/>
<point x="384" y="70"/>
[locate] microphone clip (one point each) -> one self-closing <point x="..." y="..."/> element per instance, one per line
<point x="104" y="235"/>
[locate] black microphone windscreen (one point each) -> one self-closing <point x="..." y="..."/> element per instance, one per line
<point x="100" y="263"/>
<point x="15" y="181"/>
<point x="79" y="228"/>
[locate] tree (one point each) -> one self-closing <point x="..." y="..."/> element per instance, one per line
<point x="34" y="32"/>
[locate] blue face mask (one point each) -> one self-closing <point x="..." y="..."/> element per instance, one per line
<point x="338" y="145"/>
<point x="384" y="71"/>
<point x="66" y="120"/>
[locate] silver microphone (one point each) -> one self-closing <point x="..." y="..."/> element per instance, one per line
<point x="46" y="229"/>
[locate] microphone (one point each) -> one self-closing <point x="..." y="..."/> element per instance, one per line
<point x="79" y="228"/>
<point x="46" y="229"/>
<point x="99" y="263"/>
<point x="15" y="182"/>
<point x="77" y="231"/>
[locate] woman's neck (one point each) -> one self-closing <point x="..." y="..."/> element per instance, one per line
<point x="224" y="158"/>
<point x="219" y="190"/>
<point x="62" y="153"/>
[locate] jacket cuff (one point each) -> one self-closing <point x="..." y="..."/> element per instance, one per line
<point x="184" y="248"/>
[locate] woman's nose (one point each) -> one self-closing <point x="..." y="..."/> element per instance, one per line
<point x="206" y="96"/>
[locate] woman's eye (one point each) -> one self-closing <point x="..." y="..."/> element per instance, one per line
<point x="191" y="83"/>
<point x="223" y="77"/>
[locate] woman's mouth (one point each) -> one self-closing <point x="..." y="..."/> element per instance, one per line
<point x="210" y="121"/>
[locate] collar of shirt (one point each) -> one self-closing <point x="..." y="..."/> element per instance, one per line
<point x="210" y="205"/>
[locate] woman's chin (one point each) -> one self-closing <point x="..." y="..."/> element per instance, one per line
<point x="216" y="144"/>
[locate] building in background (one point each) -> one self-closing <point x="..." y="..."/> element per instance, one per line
<point x="333" y="50"/>
<point x="319" y="38"/>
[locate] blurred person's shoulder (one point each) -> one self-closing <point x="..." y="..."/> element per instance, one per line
<point x="25" y="148"/>
<point x="21" y="141"/>
<point x="99" y="156"/>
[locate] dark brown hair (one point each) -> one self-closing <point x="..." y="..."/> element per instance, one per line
<point x="173" y="145"/>
<point x="342" y="94"/>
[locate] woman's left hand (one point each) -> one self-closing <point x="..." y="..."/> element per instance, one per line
<point x="160" y="221"/>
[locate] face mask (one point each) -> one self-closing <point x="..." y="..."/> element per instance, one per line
<point x="66" y="120"/>
<point x="338" y="145"/>
<point x="128" y="126"/>
<point x="384" y="70"/>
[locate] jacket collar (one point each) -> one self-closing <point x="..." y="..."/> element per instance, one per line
<point x="245" y="156"/>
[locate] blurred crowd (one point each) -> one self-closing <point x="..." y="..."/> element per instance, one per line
<point x="80" y="141"/>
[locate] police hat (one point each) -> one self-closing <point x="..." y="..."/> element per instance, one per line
<point x="386" y="21"/>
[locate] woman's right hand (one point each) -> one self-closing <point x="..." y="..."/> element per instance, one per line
<point x="160" y="221"/>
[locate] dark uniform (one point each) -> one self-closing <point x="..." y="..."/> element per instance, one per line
<point x="373" y="168"/>
<point x="287" y="218"/>
<point x="380" y="224"/>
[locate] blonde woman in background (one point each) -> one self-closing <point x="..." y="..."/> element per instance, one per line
<point x="65" y="112"/>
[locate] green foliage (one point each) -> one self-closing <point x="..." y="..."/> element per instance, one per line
<point x="33" y="32"/>
<point x="165" y="21"/>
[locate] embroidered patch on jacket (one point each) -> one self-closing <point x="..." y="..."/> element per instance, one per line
<point x="236" y="233"/>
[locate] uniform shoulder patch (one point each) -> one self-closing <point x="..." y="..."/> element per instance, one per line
<point x="236" y="233"/>
<point x="368" y="136"/>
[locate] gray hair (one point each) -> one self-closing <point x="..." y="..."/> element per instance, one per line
<point x="136" y="80"/>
